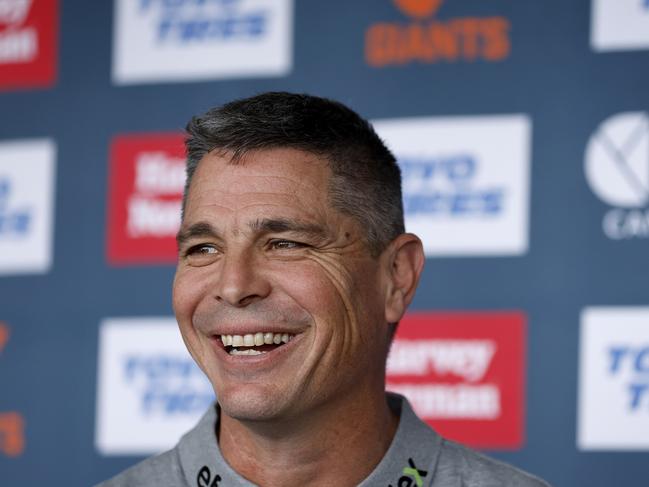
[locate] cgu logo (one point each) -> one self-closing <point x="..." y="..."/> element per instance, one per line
<point x="427" y="40"/>
<point x="12" y="425"/>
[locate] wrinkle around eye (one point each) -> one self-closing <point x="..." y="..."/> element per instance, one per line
<point x="284" y="244"/>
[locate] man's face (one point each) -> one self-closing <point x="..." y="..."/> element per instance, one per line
<point x="263" y="257"/>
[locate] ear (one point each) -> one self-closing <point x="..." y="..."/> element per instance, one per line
<point x="404" y="263"/>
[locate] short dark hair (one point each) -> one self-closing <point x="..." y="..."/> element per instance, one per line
<point x="366" y="180"/>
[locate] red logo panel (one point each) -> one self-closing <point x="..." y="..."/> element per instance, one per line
<point x="147" y="176"/>
<point x="464" y="374"/>
<point x="28" y="43"/>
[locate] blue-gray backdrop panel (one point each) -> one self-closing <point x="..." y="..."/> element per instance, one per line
<point x="49" y="371"/>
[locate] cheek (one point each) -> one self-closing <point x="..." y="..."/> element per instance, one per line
<point x="326" y="292"/>
<point x="188" y="289"/>
<point x="311" y="287"/>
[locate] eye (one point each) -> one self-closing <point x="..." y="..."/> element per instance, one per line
<point x="285" y="244"/>
<point x="202" y="255"/>
<point x="202" y="249"/>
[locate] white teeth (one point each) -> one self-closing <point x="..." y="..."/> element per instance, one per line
<point x="248" y="351"/>
<point x="255" y="340"/>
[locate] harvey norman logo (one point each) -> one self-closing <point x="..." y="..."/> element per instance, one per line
<point x="617" y="170"/>
<point x="28" y="42"/>
<point x="613" y="406"/>
<point x="463" y="373"/>
<point x="619" y="25"/>
<point x="465" y="181"/>
<point x="26" y="205"/>
<point x="426" y="38"/>
<point x="145" y="197"/>
<point x="183" y="40"/>
<point x="149" y="390"/>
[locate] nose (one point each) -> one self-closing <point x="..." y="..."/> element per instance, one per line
<point x="241" y="281"/>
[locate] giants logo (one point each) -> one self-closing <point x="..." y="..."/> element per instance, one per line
<point x="28" y="43"/>
<point x="463" y="374"/>
<point x="427" y="40"/>
<point x="12" y="425"/>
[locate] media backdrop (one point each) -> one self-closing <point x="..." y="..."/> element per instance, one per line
<point x="522" y="132"/>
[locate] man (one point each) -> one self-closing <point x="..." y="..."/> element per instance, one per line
<point x="294" y="269"/>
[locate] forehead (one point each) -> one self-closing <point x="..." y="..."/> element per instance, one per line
<point x="286" y="180"/>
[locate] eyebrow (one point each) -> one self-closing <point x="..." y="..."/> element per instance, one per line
<point x="265" y="225"/>
<point x="280" y="225"/>
<point x="200" y="229"/>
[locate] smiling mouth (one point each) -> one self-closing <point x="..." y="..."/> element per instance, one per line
<point x="254" y="344"/>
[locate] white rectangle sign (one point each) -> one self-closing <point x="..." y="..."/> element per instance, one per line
<point x="149" y="390"/>
<point x="465" y="181"/>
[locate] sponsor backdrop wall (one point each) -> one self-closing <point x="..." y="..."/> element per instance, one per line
<point x="522" y="130"/>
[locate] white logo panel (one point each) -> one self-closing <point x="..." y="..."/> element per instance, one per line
<point x="619" y="25"/>
<point x="616" y="166"/>
<point x="465" y="181"/>
<point x="162" y="40"/>
<point x="614" y="379"/>
<point x="149" y="390"/>
<point x="27" y="173"/>
<point x="617" y="160"/>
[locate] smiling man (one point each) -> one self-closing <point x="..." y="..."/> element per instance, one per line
<point x="294" y="269"/>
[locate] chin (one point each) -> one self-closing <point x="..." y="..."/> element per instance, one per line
<point x="251" y="404"/>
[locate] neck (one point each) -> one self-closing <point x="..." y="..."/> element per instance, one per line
<point x="340" y="444"/>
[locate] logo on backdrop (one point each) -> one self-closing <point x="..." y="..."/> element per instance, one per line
<point x="619" y="25"/>
<point x="26" y="205"/>
<point x="184" y="40"/>
<point x="463" y="374"/>
<point x="427" y="39"/>
<point x="149" y="390"/>
<point x="28" y="43"/>
<point x="147" y="176"/>
<point x="617" y="170"/>
<point x="465" y="181"/>
<point x="12" y="424"/>
<point x="614" y="379"/>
